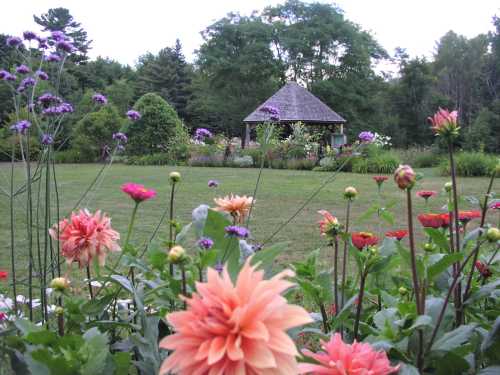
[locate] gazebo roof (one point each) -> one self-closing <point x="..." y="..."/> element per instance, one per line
<point x="296" y="104"/>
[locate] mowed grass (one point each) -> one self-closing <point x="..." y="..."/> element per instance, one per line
<point x="280" y="194"/>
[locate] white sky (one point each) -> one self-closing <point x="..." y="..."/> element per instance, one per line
<point x="123" y="30"/>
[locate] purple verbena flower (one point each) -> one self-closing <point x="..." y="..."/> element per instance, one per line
<point x="205" y="243"/>
<point x="52" y="57"/>
<point x="213" y="183"/>
<point x="133" y="115"/>
<point x="22" y="69"/>
<point x="219" y="267"/>
<point x="42" y="75"/>
<point x="66" y="108"/>
<point x="21" y="89"/>
<point x="120" y="148"/>
<point x="48" y="98"/>
<point x="202" y="133"/>
<point x="120" y="137"/>
<point x="13" y="41"/>
<point x="28" y="81"/>
<point x="366" y="136"/>
<point x="3" y="74"/>
<point x="58" y="110"/>
<point x="236" y="231"/>
<point x="58" y="36"/>
<point x="273" y="112"/>
<point x="47" y="139"/>
<point x="65" y="46"/>
<point x="99" y="99"/>
<point x="9" y="77"/>
<point x="21" y="126"/>
<point x="42" y="42"/>
<point x="29" y="35"/>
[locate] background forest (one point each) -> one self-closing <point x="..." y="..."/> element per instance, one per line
<point x="244" y="59"/>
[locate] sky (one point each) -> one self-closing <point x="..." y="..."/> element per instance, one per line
<point x="124" y="30"/>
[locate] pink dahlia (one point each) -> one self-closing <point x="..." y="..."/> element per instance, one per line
<point x="238" y="207"/>
<point x="138" y="192"/>
<point x="235" y="329"/>
<point x="445" y="122"/>
<point x="340" y="358"/>
<point x="86" y="236"/>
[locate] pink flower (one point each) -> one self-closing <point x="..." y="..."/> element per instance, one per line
<point x="329" y="225"/>
<point x="235" y="329"/>
<point x="86" y="236"/>
<point x="426" y="194"/>
<point x="238" y="207"/>
<point x="495" y="205"/>
<point x="444" y="122"/>
<point x="340" y="358"/>
<point x="138" y="192"/>
<point x="405" y="177"/>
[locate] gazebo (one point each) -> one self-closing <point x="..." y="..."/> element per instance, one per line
<point x="296" y="104"/>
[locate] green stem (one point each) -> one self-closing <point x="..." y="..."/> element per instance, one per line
<point x="171" y="225"/>
<point x="345" y="254"/>
<point x="127" y="239"/>
<point x="336" y="273"/>
<point x="89" y="281"/>
<point x="359" y="307"/>
<point x="12" y="237"/>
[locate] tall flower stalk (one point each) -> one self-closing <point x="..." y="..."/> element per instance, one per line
<point x="350" y="194"/>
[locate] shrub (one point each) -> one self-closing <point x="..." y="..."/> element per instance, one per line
<point x="72" y="156"/>
<point x="300" y="164"/>
<point x="385" y="162"/>
<point x="159" y="123"/>
<point x="420" y="157"/>
<point x="470" y="164"/>
<point x="242" y="161"/>
<point x="153" y="159"/>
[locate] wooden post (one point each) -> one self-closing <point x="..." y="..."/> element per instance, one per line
<point x="247" y="135"/>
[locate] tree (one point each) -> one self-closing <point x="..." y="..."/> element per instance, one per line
<point x="168" y="75"/>
<point x="121" y="94"/>
<point x="59" y="19"/>
<point x="93" y="134"/>
<point x="158" y="124"/>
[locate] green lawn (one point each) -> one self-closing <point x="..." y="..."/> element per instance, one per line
<point x="281" y="192"/>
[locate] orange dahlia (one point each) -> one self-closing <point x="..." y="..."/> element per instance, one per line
<point x="235" y="329"/>
<point x="238" y="207"/>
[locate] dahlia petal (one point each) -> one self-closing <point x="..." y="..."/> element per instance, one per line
<point x="233" y="347"/>
<point x="257" y="331"/>
<point x="258" y="355"/>
<point x="281" y="342"/>
<point x="217" y="350"/>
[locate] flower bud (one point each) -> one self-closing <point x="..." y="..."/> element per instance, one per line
<point x="403" y="291"/>
<point x="176" y="254"/>
<point x="373" y="250"/>
<point x="405" y="177"/>
<point x="448" y="186"/>
<point x="493" y="234"/>
<point x="59" y="284"/>
<point x="59" y="310"/>
<point x="429" y="247"/>
<point x="174" y="177"/>
<point x="350" y="192"/>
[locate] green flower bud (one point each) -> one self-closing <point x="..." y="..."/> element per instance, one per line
<point x="403" y="291"/>
<point x="448" y="186"/>
<point x="493" y="234"/>
<point x="59" y="310"/>
<point x="174" y="177"/>
<point x="350" y="192"/>
<point x="429" y="247"/>
<point x="59" y="284"/>
<point x="176" y="254"/>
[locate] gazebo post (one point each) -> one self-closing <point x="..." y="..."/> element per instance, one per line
<point x="247" y="135"/>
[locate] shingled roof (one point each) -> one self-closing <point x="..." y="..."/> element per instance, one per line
<point x="296" y="104"/>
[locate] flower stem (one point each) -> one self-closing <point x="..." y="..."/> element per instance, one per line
<point x="360" y="303"/>
<point x="413" y="254"/>
<point x="89" y="281"/>
<point x="127" y="239"/>
<point x="324" y="317"/>
<point x="336" y="273"/>
<point x="344" y="255"/>
<point x="12" y="237"/>
<point x="184" y="287"/>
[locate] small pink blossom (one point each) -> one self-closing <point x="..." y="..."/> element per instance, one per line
<point x="138" y="192"/>
<point x="445" y="122"/>
<point x="339" y="358"/>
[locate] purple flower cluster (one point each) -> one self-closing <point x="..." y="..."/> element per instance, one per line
<point x="25" y="83"/>
<point x="213" y="183"/>
<point x="47" y="139"/>
<point x="21" y="127"/>
<point x="58" y="110"/>
<point x="6" y="76"/>
<point x="205" y="243"/>
<point x="22" y="69"/>
<point x="219" y="267"/>
<point x="65" y="46"/>
<point x="133" y="115"/>
<point x="236" y="231"/>
<point x="366" y="137"/>
<point x="273" y="112"/>
<point x="48" y="98"/>
<point x="120" y="137"/>
<point x="29" y="35"/>
<point x="202" y="133"/>
<point x="42" y="42"/>
<point x="13" y="41"/>
<point x="58" y="36"/>
<point x="99" y="99"/>
<point x="52" y="57"/>
<point x="42" y="75"/>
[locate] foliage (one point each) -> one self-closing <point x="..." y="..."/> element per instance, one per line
<point x="471" y="164"/>
<point x="157" y="129"/>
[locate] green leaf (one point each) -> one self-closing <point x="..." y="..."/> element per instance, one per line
<point x="95" y="351"/>
<point x="485" y="291"/>
<point x="123" y="281"/>
<point x="369" y="213"/>
<point x="208" y="258"/>
<point x="157" y="258"/>
<point x="407" y="369"/>
<point x="25" y="326"/>
<point x="380" y="264"/>
<point x="491" y="343"/>
<point x="454" y="339"/>
<point x="266" y="256"/>
<point x="182" y="235"/>
<point x="324" y="281"/>
<point x="387" y="216"/>
<point x="122" y="362"/>
<point x="96" y="306"/>
<point x="226" y="247"/>
<point x="421" y="321"/>
<point x="385" y="320"/>
<point x="439" y="238"/>
<point x="451" y="363"/>
<point x="44" y="337"/>
<point x="442" y="264"/>
<point x="388" y="247"/>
